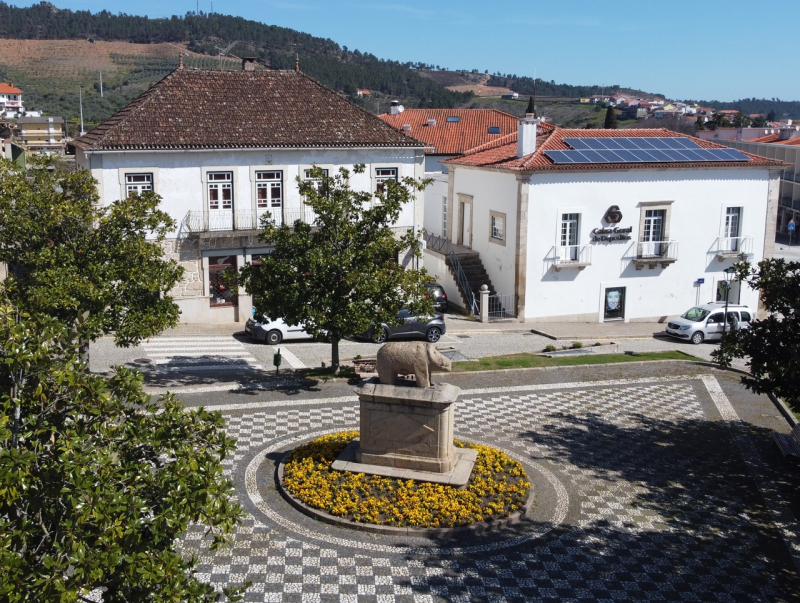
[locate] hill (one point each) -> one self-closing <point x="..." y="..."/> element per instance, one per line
<point x="134" y="69"/>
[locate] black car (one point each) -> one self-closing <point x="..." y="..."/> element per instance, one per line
<point x="431" y="328"/>
<point x="439" y="297"/>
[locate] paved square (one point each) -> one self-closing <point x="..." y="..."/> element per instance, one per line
<point x="646" y="489"/>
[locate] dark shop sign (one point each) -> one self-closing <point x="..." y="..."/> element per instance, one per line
<point x="612" y="234"/>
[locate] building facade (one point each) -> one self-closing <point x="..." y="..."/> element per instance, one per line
<point x="10" y="100"/>
<point x="218" y="172"/>
<point x="41" y="134"/>
<point x="638" y="238"/>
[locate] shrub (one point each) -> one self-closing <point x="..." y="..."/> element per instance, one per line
<point x="549" y="348"/>
<point x="576" y="344"/>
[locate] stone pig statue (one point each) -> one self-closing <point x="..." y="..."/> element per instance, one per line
<point x="407" y="357"/>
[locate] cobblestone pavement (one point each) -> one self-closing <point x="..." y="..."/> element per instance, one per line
<point x="650" y="482"/>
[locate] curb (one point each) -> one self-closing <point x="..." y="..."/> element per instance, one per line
<point x="659" y="334"/>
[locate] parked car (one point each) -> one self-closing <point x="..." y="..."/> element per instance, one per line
<point x="431" y="328"/>
<point x="274" y="331"/>
<point x="439" y="297"/>
<point x="707" y="322"/>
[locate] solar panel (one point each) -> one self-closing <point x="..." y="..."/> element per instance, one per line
<point x="494" y="129"/>
<point x="639" y="149"/>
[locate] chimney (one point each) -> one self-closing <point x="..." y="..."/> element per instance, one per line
<point x="297" y="63"/>
<point x="396" y="108"/>
<point x="180" y="62"/>
<point x="526" y="135"/>
<point x="248" y="63"/>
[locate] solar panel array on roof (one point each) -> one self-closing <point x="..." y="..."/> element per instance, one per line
<point x="639" y="150"/>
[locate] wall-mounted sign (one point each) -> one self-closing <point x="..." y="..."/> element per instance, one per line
<point x="613" y="215"/>
<point x="612" y="234"/>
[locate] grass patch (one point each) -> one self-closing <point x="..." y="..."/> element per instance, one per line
<point x="323" y="374"/>
<point x="535" y="361"/>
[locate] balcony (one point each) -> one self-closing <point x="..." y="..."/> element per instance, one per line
<point x="727" y="248"/>
<point x="653" y="253"/>
<point x="572" y="256"/>
<point x="243" y="219"/>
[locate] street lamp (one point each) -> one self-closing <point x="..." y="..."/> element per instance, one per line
<point x="729" y="274"/>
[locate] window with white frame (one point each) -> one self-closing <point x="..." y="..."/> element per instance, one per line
<point x="570" y="224"/>
<point x="382" y="175"/>
<point x="269" y="189"/>
<point x="498" y="227"/>
<point x="136" y="184"/>
<point x="308" y="178"/>
<point x="220" y="191"/>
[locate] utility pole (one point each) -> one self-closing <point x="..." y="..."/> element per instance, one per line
<point x="101" y="83"/>
<point x="80" y="100"/>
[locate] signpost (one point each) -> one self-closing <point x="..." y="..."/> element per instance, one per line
<point x="790" y="226"/>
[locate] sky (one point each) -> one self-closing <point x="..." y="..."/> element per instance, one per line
<point x="712" y="50"/>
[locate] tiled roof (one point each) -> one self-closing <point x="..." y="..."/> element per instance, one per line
<point x="40" y="120"/>
<point x="210" y="109"/>
<point x="775" y="139"/>
<point x="503" y="155"/>
<point x="453" y="138"/>
<point x="9" y="89"/>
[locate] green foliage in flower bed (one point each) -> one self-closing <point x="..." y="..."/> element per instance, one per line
<point x="497" y="488"/>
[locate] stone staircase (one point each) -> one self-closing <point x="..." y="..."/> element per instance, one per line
<point x="474" y="271"/>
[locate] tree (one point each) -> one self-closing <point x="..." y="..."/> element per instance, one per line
<point x="759" y="121"/>
<point x="68" y="255"/>
<point x="341" y="275"/>
<point x="531" y="109"/>
<point x="771" y="115"/>
<point x="611" y="119"/>
<point x="741" y="120"/>
<point x="700" y="124"/>
<point x="97" y="481"/>
<point x="772" y="344"/>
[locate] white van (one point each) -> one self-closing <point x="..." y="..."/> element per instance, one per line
<point x="274" y="331"/>
<point x="707" y="322"/>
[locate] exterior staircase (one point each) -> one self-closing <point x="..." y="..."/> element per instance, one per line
<point x="474" y="271"/>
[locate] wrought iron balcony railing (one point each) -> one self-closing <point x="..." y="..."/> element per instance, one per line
<point x="244" y="219"/>
<point x="732" y="247"/>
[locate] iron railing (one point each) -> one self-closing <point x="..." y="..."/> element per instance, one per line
<point x="573" y="254"/>
<point x="443" y="246"/>
<point x="733" y="246"/>
<point x="498" y="304"/>
<point x="657" y="250"/>
<point x="245" y="219"/>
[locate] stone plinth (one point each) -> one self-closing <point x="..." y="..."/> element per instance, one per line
<point x="407" y="427"/>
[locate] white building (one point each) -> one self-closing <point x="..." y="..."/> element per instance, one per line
<point x="578" y="235"/>
<point x="222" y="148"/>
<point x="10" y="100"/>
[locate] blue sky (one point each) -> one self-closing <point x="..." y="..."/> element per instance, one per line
<point x="712" y="50"/>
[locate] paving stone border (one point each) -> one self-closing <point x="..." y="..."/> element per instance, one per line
<point x="478" y="528"/>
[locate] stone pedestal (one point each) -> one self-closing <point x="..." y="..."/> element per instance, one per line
<point x="407" y="427"/>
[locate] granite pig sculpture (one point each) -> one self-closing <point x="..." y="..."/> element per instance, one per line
<point x="410" y="357"/>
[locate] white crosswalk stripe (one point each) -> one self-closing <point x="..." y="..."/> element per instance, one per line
<point x="292" y="360"/>
<point x="198" y="354"/>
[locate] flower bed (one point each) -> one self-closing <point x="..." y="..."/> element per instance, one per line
<point x="497" y="488"/>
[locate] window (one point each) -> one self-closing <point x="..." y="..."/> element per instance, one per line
<point x="220" y="191"/>
<point x="745" y="316"/>
<point x="453" y="119"/>
<point x="382" y="175"/>
<point x="307" y="178"/>
<point x="733" y="219"/>
<point x="269" y="189"/>
<point x="569" y="236"/>
<point x="444" y="217"/>
<point x="222" y="281"/>
<point x="136" y="184"/>
<point x="494" y="129"/>
<point x="653" y="232"/>
<point x="715" y="318"/>
<point x="498" y="226"/>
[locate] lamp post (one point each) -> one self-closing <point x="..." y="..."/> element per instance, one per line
<point x="728" y="273"/>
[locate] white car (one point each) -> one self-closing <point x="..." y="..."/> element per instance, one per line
<point x="274" y="331"/>
<point x="707" y="323"/>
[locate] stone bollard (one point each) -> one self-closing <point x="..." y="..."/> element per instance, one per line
<point x="484" y="303"/>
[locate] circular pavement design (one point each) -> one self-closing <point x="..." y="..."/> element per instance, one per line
<point x="645" y="490"/>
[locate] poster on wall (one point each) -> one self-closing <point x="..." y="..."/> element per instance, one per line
<point x="614" y="303"/>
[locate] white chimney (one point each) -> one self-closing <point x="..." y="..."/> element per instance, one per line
<point x="526" y="135"/>
<point x="396" y="108"/>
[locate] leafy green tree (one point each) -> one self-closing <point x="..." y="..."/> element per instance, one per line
<point x="772" y="344"/>
<point x="531" y="108"/>
<point x="700" y="124"/>
<point x="771" y="115"/>
<point x="340" y="275"/>
<point x="611" y="119"/>
<point x="759" y="121"/>
<point x="68" y="255"/>
<point x="97" y="481"/>
<point x="741" y="120"/>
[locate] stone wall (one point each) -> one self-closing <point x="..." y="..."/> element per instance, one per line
<point x="186" y="252"/>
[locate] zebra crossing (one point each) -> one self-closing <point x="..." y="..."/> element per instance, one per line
<point x="198" y="354"/>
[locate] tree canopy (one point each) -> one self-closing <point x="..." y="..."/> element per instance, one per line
<point x="772" y="344"/>
<point x="610" y="122"/>
<point x="68" y="255"/>
<point x="341" y="274"/>
<point x="97" y="481"/>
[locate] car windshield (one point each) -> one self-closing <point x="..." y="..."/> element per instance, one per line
<point x="436" y="291"/>
<point x="696" y="314"/>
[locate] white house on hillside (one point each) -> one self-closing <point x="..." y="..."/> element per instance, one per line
<point x="224" y="147"/>
<point x="602" y="225"/>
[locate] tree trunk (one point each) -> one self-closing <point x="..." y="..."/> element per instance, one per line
<point x="335" y="355"/>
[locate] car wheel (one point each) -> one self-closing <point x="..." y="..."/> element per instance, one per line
<point x="434" y="334"/>
<point x="274" y="337"/>
<point x="382" y="336"/>
<point x="697" y="337"/>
